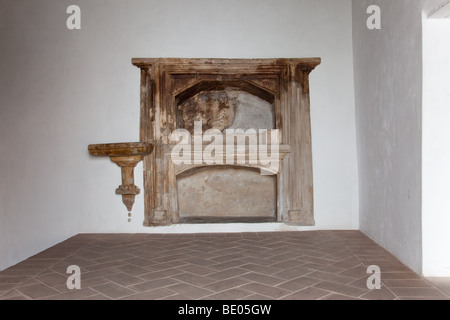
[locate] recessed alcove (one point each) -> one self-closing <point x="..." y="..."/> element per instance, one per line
<point x="224" y="94"/>
<point x="222" y="194"/>
<point x="230" y="108"/>
<point x="245" y="151"/>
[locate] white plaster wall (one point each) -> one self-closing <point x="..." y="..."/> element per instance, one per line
<point x="41" y="130"/>
<point x="436" y="148"/>
<point x="388" y="95"/>
<point x="64" y="89"/>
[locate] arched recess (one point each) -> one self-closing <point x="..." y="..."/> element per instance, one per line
<point x="225" y="104"/>
<point x="221" y="194"/>
<point x="243" y="85"/>
<point x="168" y="82"/>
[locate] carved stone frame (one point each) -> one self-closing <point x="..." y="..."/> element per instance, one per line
<point x="164" y="80"/>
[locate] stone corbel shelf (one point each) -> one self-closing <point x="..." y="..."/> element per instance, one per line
<point x="126" y="155"/>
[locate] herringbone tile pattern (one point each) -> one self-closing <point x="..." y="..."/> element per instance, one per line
<point x="263" y="266"/>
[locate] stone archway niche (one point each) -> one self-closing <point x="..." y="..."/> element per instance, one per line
<point x="226" y="93"/>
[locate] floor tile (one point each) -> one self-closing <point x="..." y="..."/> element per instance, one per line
<point x="160" y="274"/>
<point x="262" y="278"/>
<point x="298" y="283"/>
<point x="228" y="273"/>
<point x="190" y="290"/>
<point x="14" y="295"/>
<point x="256" y="297"/>
<point x="113" y="290"/>
<point x="399" y="275"/>
<point x="418" y="292"/>
<point x="176" y="296"/>
<point x="75" y="294"/>
<point x="231" y="294"/>
<point x="124" y="279"/>
<point x="442" y="283"/>
<point x="339" y="288"/>
<point x="259" y="269"/>
<point x="193" y="279"/>
<point x="379" y="294"/>
<point x="53" y="279"/>
<point x="264" y="266"/>
<point x="337" y="296"/>
<point x="150" y="295"/>
<point x="7" y="286"/>
<point x="154" y="284"/>
<point x="140" y="262"/>
<point x="269" y="291"/>
<point x="226" y="284"/>
<point x="331" y="277"/>
<point x="13" y="278"/>
<point x="37" y="291"/>
<point x="286" y="264"/>
<point x="357" y="272"/>
<point x="309" y="293"/>
<point x="196" y="269"/>
<point x="407" y="283"/>
<point x="132" y="269"/>
<point x="292" y="273"/>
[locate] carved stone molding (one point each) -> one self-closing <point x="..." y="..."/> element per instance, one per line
<point x="126" y="156"/>
<point x="173" y="90"/>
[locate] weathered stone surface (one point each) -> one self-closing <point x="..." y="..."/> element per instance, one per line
<point x="120" y="149"/>
<point x="226" y="109"/>
<point x="200" y="85"/>
<point x="252" y="112"/>
<point x="215" y="109"/>
<point x="227" y="192"/>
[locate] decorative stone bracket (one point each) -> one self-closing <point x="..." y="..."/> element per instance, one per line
<point x="126" y="155"/>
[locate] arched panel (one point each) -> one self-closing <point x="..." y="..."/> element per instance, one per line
<point x="172" y="90"/>
<point x="220" y="193"/>
<point x="231" y="108"/>
<point x="224" y="85"/>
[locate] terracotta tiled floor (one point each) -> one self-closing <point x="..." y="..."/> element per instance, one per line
<point x="263" y="266"/>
